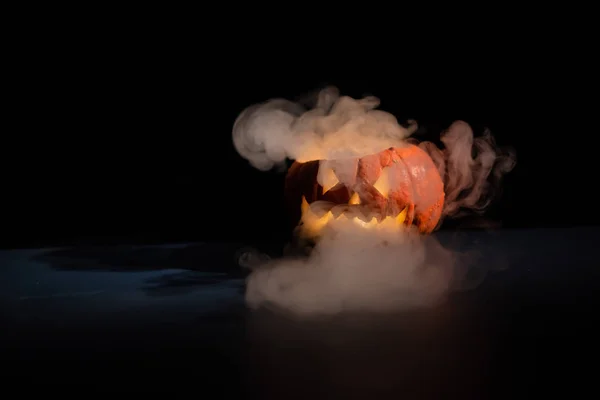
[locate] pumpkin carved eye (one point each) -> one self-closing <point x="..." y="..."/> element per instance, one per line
<point x="327" y="177"/>
<point x="383" y="182"/>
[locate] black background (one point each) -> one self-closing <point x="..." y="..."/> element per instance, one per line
<point x="119" y="141"/>
<point x="118" y="130"/>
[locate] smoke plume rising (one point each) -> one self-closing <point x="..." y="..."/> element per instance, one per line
<point x="352" y="268"/>
<point x="466" y="165"/>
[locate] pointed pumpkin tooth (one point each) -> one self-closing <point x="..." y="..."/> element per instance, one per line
<point x="400" y="218"/>
<point x="342" y="217"/>
<point x="373" y="223"/>
<point x="358" y="221"/>
<point x="321" y="222"/>
<point x="307" y="211"/>
<point x="305" y="206"/>
<point x="370" y="224"/>
<point x="338" y="210"/>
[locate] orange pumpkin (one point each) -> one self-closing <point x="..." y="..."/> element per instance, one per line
<point x="397" y="182"/>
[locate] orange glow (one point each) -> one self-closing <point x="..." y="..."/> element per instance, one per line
<point x="314" y="222"/>
<point x="327" y="177"/>
<point x="380" y="185"/>
<point x="383" y="183"/>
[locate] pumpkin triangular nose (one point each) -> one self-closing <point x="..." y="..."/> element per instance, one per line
<point x="354" y="199"/>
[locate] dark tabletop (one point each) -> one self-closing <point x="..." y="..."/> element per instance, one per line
<point x="151" y="318"/>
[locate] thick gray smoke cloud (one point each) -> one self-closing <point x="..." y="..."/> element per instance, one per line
<point x="353" y="268"/>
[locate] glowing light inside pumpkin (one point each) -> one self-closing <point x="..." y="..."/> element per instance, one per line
<point x="327" y="178"/>
<point x="313" y="224"/>
<point x="355" y="199"/>
<point x="383" y="182"/>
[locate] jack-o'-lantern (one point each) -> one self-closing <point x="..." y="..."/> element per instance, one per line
<point x="400" y="186"/>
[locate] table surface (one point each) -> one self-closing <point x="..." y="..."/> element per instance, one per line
<point x="173" y="317"/>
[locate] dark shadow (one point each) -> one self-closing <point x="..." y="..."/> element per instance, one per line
<point x="425" y="354"/>
<point x="208" y="257"/>
<point x="184" y="282"/>
<point x="203" y="264"/>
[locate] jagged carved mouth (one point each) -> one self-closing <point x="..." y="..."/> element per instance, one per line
<point x="318" y="216"/>
<point x="315" y="217"/>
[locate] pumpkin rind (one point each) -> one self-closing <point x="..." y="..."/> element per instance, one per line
<point x="415" y="184"/>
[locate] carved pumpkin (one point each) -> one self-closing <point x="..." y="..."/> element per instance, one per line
<point x="399" y="184"/>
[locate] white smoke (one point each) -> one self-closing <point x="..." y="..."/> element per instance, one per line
<point x="466" y="165"/>
<point x="336" y="128"/>
<point x="352" y="268"/>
